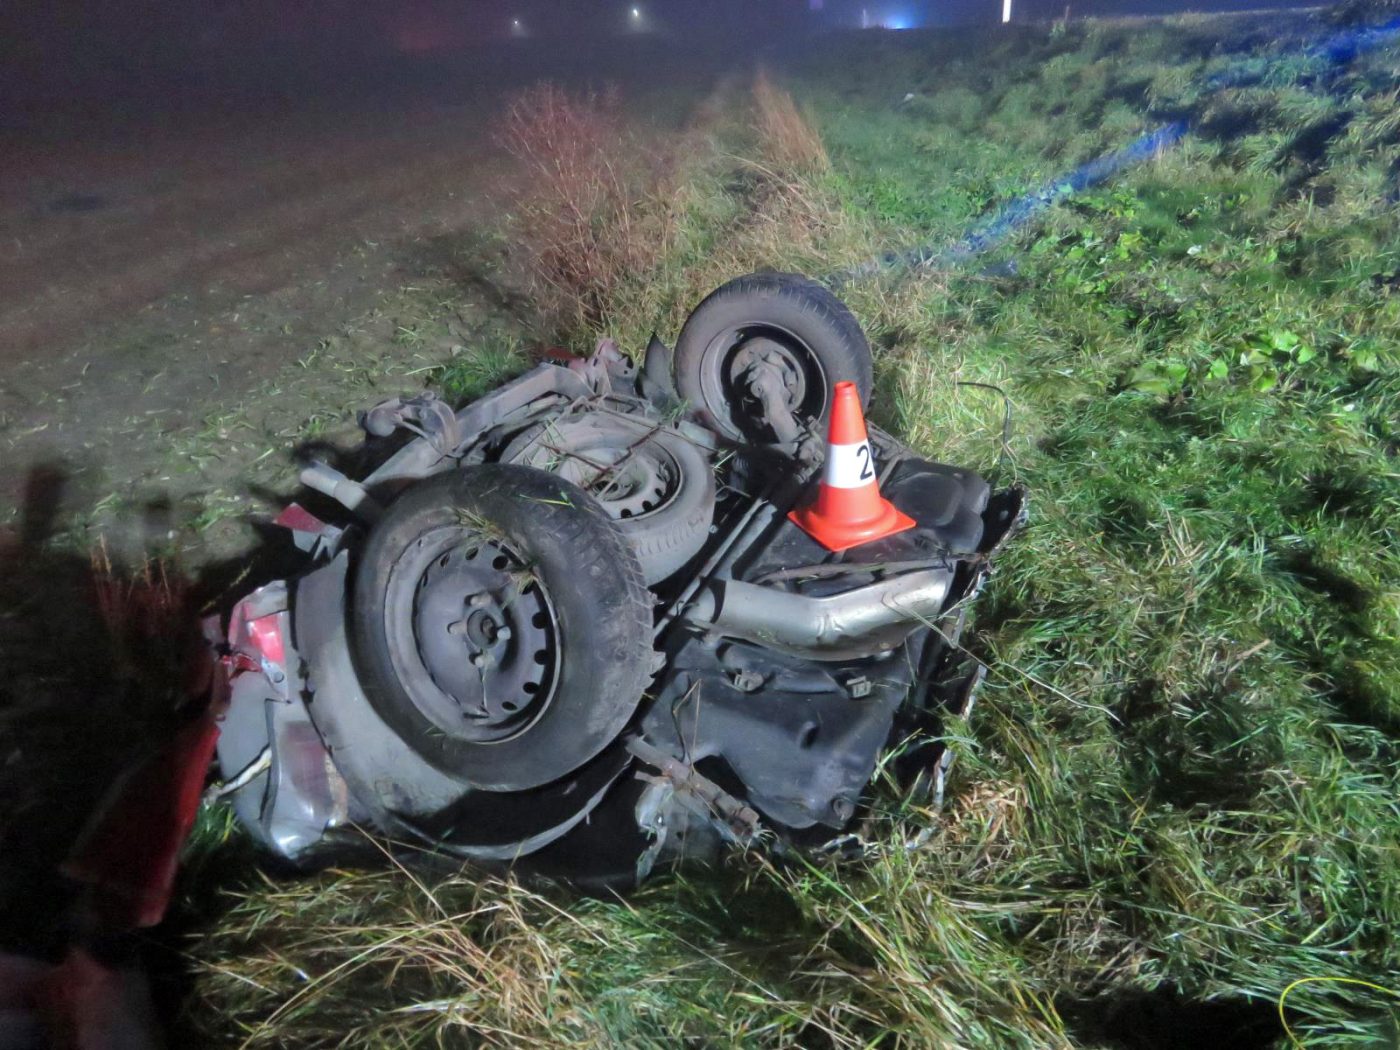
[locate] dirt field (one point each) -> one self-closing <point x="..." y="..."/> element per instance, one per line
<point x="166" y="264"/>
<point x="152" y="273"/>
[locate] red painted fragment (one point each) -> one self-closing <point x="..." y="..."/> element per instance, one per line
<point x="299" y="519"/>
<point x="131" y="851"/>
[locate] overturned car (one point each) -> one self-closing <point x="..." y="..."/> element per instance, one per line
<point x="572" y="625"/>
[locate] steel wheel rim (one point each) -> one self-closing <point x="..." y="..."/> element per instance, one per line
<point x="474" y="637"/>
<point x="644" y="484"/>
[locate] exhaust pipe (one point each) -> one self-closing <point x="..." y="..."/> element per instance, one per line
<point x="861" y="622"/>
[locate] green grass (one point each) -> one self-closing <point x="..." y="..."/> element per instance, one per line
<point x="1179" y="793"/>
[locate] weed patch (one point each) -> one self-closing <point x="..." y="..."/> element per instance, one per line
<point x="786" y="138"/>
<point x="589" y="206"/>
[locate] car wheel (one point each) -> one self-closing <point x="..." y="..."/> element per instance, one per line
<point x="500" y="625"/>
<point x="658" y="487"/>
<point x="783" y="324"/>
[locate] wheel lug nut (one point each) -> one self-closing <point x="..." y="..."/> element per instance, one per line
<point x="476" y="601"/>
<point x="478" y="659"/>
<point x="502" y="633"/>
<point x="457" y="629"/>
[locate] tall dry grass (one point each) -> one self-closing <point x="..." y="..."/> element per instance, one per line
<point x="621" y="233"/>
<point x="786" y="138"/>
<point x="587" y="200"/>
<point x="149" y="615"/>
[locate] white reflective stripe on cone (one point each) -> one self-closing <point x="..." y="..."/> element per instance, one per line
<point x="849" y="466"/>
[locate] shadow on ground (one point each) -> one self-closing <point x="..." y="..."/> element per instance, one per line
<point x="1164" y="1020"/>
<point x="96" y="661"/>
<point x="475" y="267"/>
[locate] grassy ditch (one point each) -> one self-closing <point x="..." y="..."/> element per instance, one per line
<point x="1179" y="794"/>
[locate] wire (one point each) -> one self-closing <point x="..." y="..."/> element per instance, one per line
<point x="845" y="568"/>
<point x="676" y="706"/>
<point x="1283" y="1018"/>
<point x="1005" y="456"/>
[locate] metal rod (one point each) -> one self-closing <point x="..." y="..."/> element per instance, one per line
<point x="351" y="495"/>
<point x="754" y="520"/>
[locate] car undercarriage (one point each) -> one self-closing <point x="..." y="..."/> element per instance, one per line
<point x="570" y="627"/>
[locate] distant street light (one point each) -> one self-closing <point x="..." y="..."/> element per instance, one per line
<point x="1006" y="10"/>
<point x="636" y="13"/>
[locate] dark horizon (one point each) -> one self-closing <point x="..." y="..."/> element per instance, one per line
<point x="137" y="60"/>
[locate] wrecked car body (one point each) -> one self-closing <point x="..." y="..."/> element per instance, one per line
<point x="572" y="627"/>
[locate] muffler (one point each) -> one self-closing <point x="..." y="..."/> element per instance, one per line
<point x="865" y="621"/>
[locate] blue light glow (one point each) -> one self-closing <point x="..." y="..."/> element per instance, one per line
<point x="1338" y="49"/>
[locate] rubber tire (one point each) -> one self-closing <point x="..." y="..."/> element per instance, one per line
<point x="666" y="538"/>
<point x="601" y="604"/>
<point x="790" y="301"/>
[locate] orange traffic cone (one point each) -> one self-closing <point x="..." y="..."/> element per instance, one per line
<point x="849" y="509"/>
